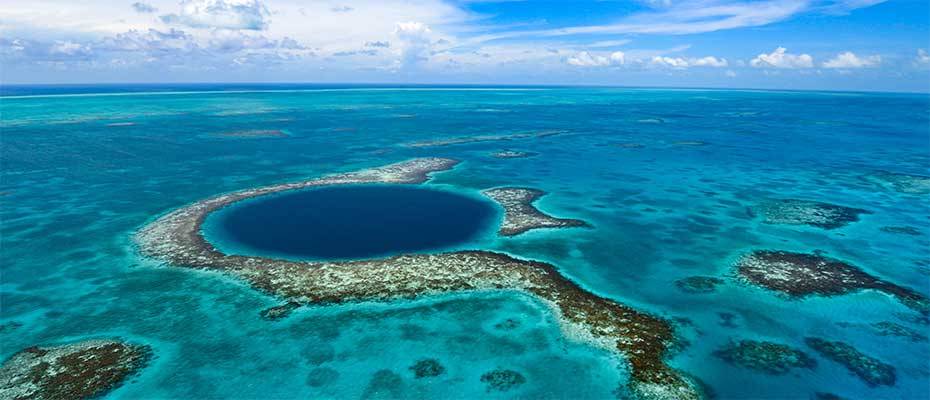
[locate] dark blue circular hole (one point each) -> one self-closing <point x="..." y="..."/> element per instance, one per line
<point x="353" y="222"/>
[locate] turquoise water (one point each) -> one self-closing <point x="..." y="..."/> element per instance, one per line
<point x="351" y="222"/>
<point x="75" y="187"/>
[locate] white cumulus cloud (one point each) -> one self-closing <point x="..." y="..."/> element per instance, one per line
<point x="849" y="60"/>
<point x="709" y="61"/>
<point x="68" y="48"/>
<point x="780" y="58"/>
<point x="226" y="14"/>
<point x="416" y="39"/>
<point x="143" y="8"/>
<point x="923" y="59"/>
<point x="681" y="63"/>
<point x="671" y="62"/>
<point x="586" y="59"/>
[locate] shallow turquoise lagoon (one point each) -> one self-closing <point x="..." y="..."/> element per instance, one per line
<point x="666" y="179"/>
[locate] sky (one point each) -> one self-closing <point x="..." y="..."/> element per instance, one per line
<point x="773" y="44"/>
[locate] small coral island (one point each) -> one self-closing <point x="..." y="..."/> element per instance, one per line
<point x="79" y="370"/>
<point x="642" y="338"/>
<point x="799" y="275"/>
<point x="520" y="215"/>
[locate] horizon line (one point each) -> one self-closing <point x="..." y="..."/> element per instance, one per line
<point x="388" y="86"/>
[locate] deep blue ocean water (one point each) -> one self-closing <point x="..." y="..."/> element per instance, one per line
<point x="351" y="222"/>
<point x="81" y="173"/>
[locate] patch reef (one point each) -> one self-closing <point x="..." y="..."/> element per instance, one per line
<point x="73" y="371"/>
<point x="798" y="275"/>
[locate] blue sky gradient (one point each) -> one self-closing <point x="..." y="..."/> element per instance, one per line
<point x="778" y="44"/>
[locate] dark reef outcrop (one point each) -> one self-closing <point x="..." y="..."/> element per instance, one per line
<point x="772" y="358"/>
<point x="643" y="339"/>
<point x="279" y="312"/>
<point x="872" y="371"/>
<point x="798" y="275"/>
<point x="427" y="368"/>
<point x="502" y="380"/>
<point x="825" y="396"/>
<point x="79" y="370"/>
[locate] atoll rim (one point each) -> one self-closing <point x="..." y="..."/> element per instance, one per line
<point x="567" y="243"/>
<point x="642" y="338"/>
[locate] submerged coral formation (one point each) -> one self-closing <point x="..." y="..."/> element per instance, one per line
<point x="513" y="154"/>
<point x="427" y="368"/>
<point x="384" y="384"/>
<point x="502" y="380"/>
<point x="322" y="376"/>
<point x="508" y="324"/>
<point x="825" y="396"/>
<point x="644" y="339"/>
<point x="689" y="143"/>
<point x="799" y="275"/>
<point x="73" y="371"/>
<point x="807" y="212"/>
<point x="484" y="138"/>
<point x="772" y="358"/>
<point x="870" y="370"/>
<point x="279" y="312"/>
<point x="903" y="183"/>
<point x="519" y="213"/>
<point x="901" y="230"/>
<point x="255" y="133"/>
<point x="10" y="327"/>
<point x="888" y="328"/>
<point x="698" y="284"/>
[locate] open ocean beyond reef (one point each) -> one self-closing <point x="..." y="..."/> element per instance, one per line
<point x="667" y="180"/>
